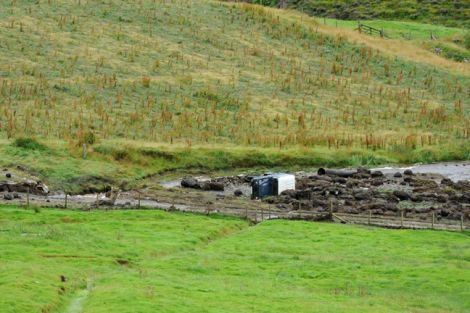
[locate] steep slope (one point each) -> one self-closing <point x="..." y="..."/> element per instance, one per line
<point x="202" y="72"/>
<point x="450" y="13"/>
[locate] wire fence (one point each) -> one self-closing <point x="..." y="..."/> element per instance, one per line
<point x="255" y="211"/>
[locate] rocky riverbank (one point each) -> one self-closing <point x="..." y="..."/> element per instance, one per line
<point x="361" y="190"/>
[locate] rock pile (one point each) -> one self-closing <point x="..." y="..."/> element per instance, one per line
<point x="361" y="190"/>
<point x="13" y="184"/>
<point x="191" y="182"/>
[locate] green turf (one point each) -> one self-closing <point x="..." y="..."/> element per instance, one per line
<point x="400" y="29"/>
<point x="190" y="263"/>
<point x="445" y="12"/>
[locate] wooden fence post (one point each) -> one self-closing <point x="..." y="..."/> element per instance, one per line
<point x="432" y="223"/>
<point x="461" y="222"/>
<point x="138" y="199"/>
<point x="97" y="200"/>
<point x="84" y="151"/>
<point x="401" y="218"/>
<point x="369" y="217"/>
<point x="65" y="204"/>
<point x="246" y="212"/>
<point x="262" y="214"/>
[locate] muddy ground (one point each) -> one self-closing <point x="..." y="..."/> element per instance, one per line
<point x="358" y="191"/>
<point x="384" y="192"/>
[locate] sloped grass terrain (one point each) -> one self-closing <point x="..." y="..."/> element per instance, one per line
<point x="450" y="40"/>
<point x="147" y="261"/>
<point x="202" y="72"/>
<point x="450" y="13"/>
<point x="127" y="163"/>
<point x="401" y="29"/>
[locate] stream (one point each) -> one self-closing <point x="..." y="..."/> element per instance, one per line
<point x="454" y="170"/>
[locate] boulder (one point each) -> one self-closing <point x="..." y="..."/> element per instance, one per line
<point x="465" y="197"/>
<point x="377" y="174"/>
<point x="442" y="198"/>
<point x="8" y="196"/>
<point x="190" y="182"/>
<point x="363" y="170"/>
<point x="377" y="182"/>
<point x="238" y="193"/>
<point x="25" y="186"/>
<point x="447" y="182"/>
<point x="421" y="210"/>
<point x="214" y="186"/>
<point x="361" y="175"/>
<point x="408" y="179"/>
<point x="463" y="185"/>
<point x="289" y="193"/>
<point x="340" y="180"/>
<point x="408" y="172"/>
<point x="362" y="194"/>
<point x="397" y="175"/>
<point x="416" y="198"/>
<point x="402" y="195"/>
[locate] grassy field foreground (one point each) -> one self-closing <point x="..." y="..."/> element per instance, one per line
<point x="151" y="261"/>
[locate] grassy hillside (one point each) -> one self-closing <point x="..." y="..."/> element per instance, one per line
<point x="219" y="79"/>
<point x="123" y="261"/>
<point x="450" y="13"/>
<point x="450" y="40"/>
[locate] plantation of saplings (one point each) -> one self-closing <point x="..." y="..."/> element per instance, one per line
<point x="220" y="75"/>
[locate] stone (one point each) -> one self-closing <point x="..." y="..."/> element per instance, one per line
<point x="377" y="182"/>
<point x="402" y="195"/>
<point x="408" y="179"/>
<point x="340" y="180"/>
<point x="215" y="186"/>
<point x="363" y="170"/>
<point x="238" y="193"/>
<point x="8" y="196"/>
<point x="416" y="198"/>
<point x="361" y="194"/>
<point x="289" y="193"/>
<point x="190" y="182"/>
<point x="442" y="198"/>
<point x="408" y="172"/>
<point x="397" y="175"/>
<point x="377" y="174"/>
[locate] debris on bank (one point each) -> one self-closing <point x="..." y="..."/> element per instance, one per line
<point x="352" y="191"/>
<point x="15" y="181"/>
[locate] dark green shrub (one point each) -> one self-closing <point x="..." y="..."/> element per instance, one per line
<point x="87" y="137"/>
<point x="28" y="143"/>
